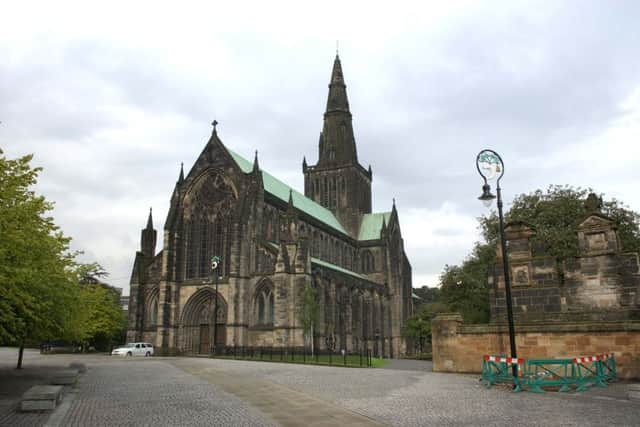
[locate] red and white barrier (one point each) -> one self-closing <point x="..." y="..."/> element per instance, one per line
<point x="507" y="360"/>
<point x="587" y="359"/>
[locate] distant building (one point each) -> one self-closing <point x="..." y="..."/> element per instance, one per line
<point x="92" y="280"/>
<point x="272" y="241"/>
<point x="124" y="303"/>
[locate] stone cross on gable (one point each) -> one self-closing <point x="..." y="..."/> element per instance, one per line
<point x="214" y="124"/>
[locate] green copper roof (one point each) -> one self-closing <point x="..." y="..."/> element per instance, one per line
<point x="281" y="190"/>
<point x="337" y="268"/>
<point x="371" y="225"/>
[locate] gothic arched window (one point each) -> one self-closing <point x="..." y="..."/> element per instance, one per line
<point x="264" y="303"/>
<point x="208" y="205"/>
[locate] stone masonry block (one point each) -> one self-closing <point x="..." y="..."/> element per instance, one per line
<point x="37" y="405"/>
<point x="43" y="392"/>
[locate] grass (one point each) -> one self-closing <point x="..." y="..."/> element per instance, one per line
<point x="349" y="361"/>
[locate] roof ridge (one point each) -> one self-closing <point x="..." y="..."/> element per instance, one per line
<point x="247" y="167"/>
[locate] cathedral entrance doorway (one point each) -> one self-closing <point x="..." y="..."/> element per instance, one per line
<point x="204" y="339"/>
<point x="198" y="322"/>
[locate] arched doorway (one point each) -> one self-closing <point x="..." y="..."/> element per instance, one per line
<point x="198" y="322"/>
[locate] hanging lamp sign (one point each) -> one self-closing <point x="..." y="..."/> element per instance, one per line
<point x="489" y="165"/>
<point x="215" y="261"/>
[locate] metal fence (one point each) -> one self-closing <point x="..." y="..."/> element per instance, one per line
<point x="361" y="359"/>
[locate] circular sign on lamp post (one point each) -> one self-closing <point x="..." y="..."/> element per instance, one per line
<point x="215" y="260"/>
<point x="489" y="165"/>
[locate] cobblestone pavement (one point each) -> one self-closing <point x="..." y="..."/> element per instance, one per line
<point x="194" y="391"/>
<point x="127" y="392"/>
<point x="148" y="392"/>
<point x="414" y="398"/>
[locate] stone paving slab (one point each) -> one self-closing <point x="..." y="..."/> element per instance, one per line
<point x="286" y="406"/>
<point x="114" y="392"/>
<point x="43" y="392"/>
<point x="412" y="398"/>
<point x="150" y="392"/>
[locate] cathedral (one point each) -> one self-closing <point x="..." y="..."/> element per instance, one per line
<point x="272" y="241"/>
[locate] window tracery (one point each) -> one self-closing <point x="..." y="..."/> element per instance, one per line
<point x="264" y="304"/>
<point x="207" y="214"/>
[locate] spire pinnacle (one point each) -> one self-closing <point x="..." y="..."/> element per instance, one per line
<point x="181" y="177"/>
<point x="214" y="123"/>
<point x="304" y="163"/>
<point x="150" y="220"/>
<point x="290" y="207"/>
<point x="256" y="167"/>
<point x="337" y="100"/>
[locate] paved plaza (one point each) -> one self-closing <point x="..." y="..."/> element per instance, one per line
<point x="199" y="391"/>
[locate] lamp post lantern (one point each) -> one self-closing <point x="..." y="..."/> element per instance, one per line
<point x="490" y="167"/>
<point x="215" y="262"/>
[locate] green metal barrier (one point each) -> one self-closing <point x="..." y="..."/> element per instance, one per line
<point x="550" y="373"/>
<point x="589" y="371"/>
<point x="609" y="367"/>
<point x="497" y="369"/>
<point x="578" y="372"/>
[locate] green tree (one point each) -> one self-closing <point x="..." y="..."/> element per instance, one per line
<point x="309" y="312"/>
<point x="98" y="318"/>
<point x="465" y="288"/>
<point x="37" y="286"/>
<point x="426" y="295"/>
<point x="418" y="326"/>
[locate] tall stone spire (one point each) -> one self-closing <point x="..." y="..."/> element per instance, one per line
<point x="337" y="100"/>
<point x="338" y="181"/>
<point x="337" y="143"/>
<point x="150" y="220"/>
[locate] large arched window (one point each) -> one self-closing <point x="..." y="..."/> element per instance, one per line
<point x="208" y="207"/>
<point x="263" y="305"/>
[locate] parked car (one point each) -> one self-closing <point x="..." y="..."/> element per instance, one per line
<point x="50" y="347"/>
<point x="134" y="349"/>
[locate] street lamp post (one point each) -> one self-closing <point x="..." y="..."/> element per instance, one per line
<point x="215" y="262"/>
<point x="490" y="166"/>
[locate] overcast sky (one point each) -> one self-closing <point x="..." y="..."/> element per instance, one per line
<point x="111" y="99"/>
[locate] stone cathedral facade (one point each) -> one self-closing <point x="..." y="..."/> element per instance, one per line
<point x="273" y="241"/>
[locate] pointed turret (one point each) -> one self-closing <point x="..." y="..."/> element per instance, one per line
<point x="304" y="164"/>
<point x="181" y="176"/>
<point x="148" y="238"/>
<point x="290" y="207"/>
<point x="256" y="166"/>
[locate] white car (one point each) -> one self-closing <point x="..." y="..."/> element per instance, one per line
<point x="134" y="349"/>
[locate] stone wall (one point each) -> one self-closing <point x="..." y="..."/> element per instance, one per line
<point x="601" y="284"/>
<point x="459" y="348"/>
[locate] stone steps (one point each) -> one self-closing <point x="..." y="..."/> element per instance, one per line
<point x="65" y="377"/>
<point x="41" y="398"/>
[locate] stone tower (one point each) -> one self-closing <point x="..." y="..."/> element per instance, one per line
<point x="338" y="182"/>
